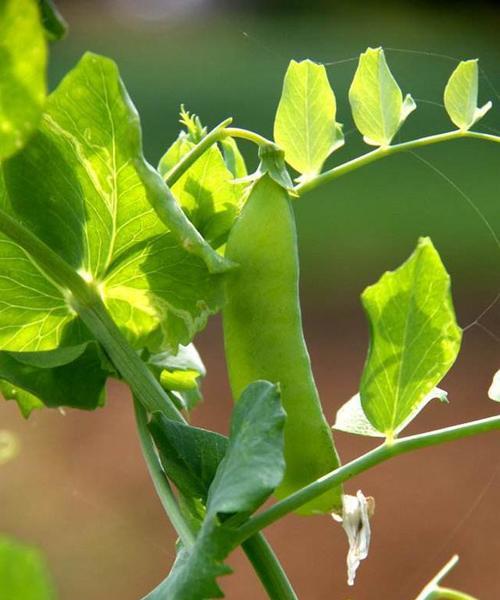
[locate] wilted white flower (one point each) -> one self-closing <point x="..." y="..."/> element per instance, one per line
<point x="355" y="519"/>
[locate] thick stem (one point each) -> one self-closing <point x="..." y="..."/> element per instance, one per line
<point x="363" y="463"/>
<point x="268" y="568"/>
<point x="382" y="152"/>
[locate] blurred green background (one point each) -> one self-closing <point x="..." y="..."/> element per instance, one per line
<point x="79" y="489"/>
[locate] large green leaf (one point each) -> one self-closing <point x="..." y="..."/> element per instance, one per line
<point x="251" y="469"/>
<point x="461" y="94"/>
<point x="23" y="57"/>
<point x="253" y="465"/>
<point x="376" y="99"/>
<point x="414" y="338"/>
<point x="305" y="126"/>
<point x="23" y="575"/>
<point x="91" y="206"/>
<point x="73" y="378"/>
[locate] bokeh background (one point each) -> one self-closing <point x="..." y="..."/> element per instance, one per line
<point x="79" y="489"/>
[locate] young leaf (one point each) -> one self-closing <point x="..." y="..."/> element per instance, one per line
<point x="22" y="73"/>
<point x="53" y="22"/>
<point x="74" y="378"/>
<point x="92" y="208"/>
<point x="233" y="158"/>
<point x="414" y="338"/>
<point x="253" y="465"/>
<point x="189" y="455"/>
<point x="461" y="95"/>
<point x="352" y="419"/>
<point x="305" y="126"/>
<point x="23" y="575"/>
<point x="376" y="99"/>
<point x="209" y="197"/>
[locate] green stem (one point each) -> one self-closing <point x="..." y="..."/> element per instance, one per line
<point x="382" y="152"/>
<point x="250" y="136"/>
<point x="160" y="482"/>
<point x="194" y="154"/>
<point x="360" y="464"/>
<point x="268" y="568"/>
<point x="433" y="591"/>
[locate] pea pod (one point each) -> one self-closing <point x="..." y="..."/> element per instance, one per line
<point x="264" y="339"/>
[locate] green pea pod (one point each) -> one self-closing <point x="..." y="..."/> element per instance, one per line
<point x="264" y="339"/>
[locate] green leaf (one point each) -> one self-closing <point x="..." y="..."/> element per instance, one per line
<point x="233" y="158"/>
<point x="253" y="465"/>
<point x="195" y="571"/>
<point x="23" y="575"/>
<point x="75" y="378"/>
<point x="92" y="207"/>
<point x="23" y="61"/>
<point x="189" y="455"/>
<point x="209" y="197"/>
<point x="414" y="338"/>
<point x="376" y="99"/>
<point x="461" y="96"/>
<point x="352" y="419"/>
<point x="54" y="24"/>
<point x="305" y="126"/>
<point x="494" y="390"/>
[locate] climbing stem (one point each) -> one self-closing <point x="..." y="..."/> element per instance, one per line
<point x="384" y="151"/>
<point x="360" y="464"/>
<point x="160" y="482"/>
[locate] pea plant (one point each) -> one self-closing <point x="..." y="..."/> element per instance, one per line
<point x="110" y="267"/>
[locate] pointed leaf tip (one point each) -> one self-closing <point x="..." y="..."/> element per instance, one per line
<point x="414" y="338"/>
<point x="461" y="95"/>
<point x="376" y="99"/>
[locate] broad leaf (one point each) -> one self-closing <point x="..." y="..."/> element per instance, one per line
<point x="352" y="419"/>
<point x="209" y="197"/>
<point x="53" y="22"/>
<point x="305" y="126"/>
<point x="251" y="469"/>
<point x="74" y="378"/>
<point x="91" y="206"/>
<point x="376" y="99"/>
<point x="23" y="575"/>
<point x="23" y="60"/>
<point x="253" y="465"/>
<point x="414" y="338"/>
<point x="189" y="455"/>
<point x="461" y="95"/>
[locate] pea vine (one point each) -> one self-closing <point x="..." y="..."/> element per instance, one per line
<point x="110" y="267"/>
